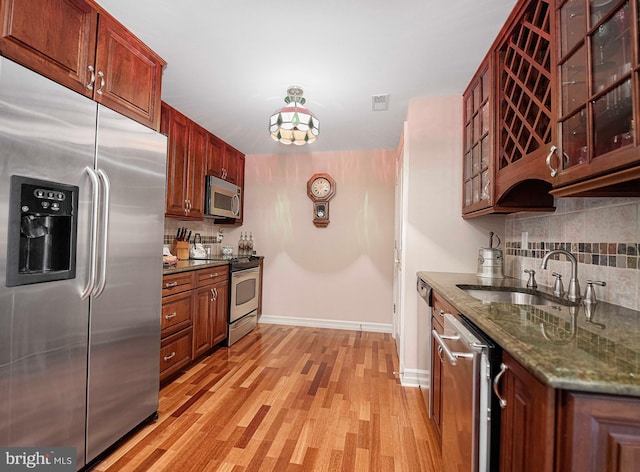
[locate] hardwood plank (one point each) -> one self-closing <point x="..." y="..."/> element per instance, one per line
<point x="287" y="399"/>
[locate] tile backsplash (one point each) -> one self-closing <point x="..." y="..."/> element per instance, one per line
<point x="603" y="233"/>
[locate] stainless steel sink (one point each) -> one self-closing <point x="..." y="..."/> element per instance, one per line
<point x="512" y="296"/>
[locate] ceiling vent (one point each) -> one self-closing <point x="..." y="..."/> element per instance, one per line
<point x="380" y="102"/>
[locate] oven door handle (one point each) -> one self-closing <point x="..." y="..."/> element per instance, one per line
<point x="452" y="356"/>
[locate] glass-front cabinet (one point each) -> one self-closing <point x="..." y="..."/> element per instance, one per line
<point x="476" y="186"/>
<point x="597" y="74"/>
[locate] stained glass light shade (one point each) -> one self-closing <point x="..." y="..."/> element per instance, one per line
<point x="294" y="124"/>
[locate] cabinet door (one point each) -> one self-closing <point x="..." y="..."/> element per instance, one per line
<point x="232" y="156"/>
<point x="527" y="423"/>
<point x="198" y="138"/>
<point x="56" y="38"/>
<point x="215" y="156"/>
<point x="240" y="183"/>
<point x="221" y="312"/>
<point x="596" y="115"/>
<point x="128" y="74"/>
<point x="477" y="183"/>
<point x="598" y="433"/>
<point x="202" y="320"/>
<point x="440" y="307"/>
<point x="177" y="160"/>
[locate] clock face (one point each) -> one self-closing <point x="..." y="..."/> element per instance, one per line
<point x="320" y="187"/>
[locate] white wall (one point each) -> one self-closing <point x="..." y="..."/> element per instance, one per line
<point x="436" y="236"/>
<point x="339" y="276"/>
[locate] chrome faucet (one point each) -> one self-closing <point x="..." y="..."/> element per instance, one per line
<point x="573" y="294"/>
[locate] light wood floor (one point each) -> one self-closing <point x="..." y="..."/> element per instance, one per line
<point x="287" y="399"/>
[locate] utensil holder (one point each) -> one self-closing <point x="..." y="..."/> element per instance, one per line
<point x="181" y="250"/>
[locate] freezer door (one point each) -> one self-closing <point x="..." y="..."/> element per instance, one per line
<point x="48" y="133"/>
<point x="124" y="344"/>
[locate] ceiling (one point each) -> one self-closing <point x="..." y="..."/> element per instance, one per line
<point x="230" y="62"/>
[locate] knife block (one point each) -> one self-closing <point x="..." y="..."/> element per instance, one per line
<point x="181" y="250"/>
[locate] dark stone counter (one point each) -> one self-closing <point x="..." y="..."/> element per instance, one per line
<point x="191" y="264"/>
<point x="558" y="344"/>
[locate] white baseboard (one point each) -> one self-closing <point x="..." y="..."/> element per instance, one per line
<point x="321" y="323"/>
<point x="414" y="377"/>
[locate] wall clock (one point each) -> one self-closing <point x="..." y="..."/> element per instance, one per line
<point x="321" y="188"/>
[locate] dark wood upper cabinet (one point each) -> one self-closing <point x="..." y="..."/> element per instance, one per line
<point x="56" y="38"/>
<point x="563" y="108"/>
<point x="597" y="72"/>
<point x="524" y="79"/>
<point x="132" y="73"/>
<point x="192" y="154"/>
<point x="186" y="159"/>
<point x="478" y="131"/>
<point x="198" y="137"/>
<point x="222" y="160"/>
<point x="507" y="124"/>
<point x="79" y="45"/>
<point x="216" y="156"/>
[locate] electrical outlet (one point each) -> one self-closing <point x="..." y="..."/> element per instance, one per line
<point x="525" y="240"/>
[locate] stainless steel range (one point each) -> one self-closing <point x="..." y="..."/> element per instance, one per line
<point x="244" y="294"/>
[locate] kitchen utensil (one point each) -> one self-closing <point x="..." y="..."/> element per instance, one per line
<point x="197" y="250"/>
<point x="490" y="260"/>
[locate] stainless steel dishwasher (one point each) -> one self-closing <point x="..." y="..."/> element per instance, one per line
<point x="470" y="413"/>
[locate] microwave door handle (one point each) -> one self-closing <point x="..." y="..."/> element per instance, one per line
<point x="236" y="204"/>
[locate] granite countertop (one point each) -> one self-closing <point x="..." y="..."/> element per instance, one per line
<point x="192" y="264"/>
<point x="556" y="343"/>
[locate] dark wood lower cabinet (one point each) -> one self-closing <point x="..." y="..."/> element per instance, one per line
<point x="598" y="433"/>
<point x="210" y="317"/>
<point x="528" y="421"/>
<point x="195" y="309"/>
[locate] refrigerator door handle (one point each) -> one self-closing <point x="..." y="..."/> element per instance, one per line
<point x="104" y="232"/>
<point x="93" y="246"/>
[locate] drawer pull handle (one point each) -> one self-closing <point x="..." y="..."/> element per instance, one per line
<point x="170" y="356"/>
<point x="496" y="382"/>
<point x="168" y="317"/>
<point x="101" y="75"/>
<point x="170" y="284"/>
<point x="213" y="275"/>
<point x="92" y="79"/>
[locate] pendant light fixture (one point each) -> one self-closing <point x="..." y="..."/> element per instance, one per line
<point x="294" y="123"/>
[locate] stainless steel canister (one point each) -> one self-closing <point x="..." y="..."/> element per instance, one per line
<point x="490" y="260"/>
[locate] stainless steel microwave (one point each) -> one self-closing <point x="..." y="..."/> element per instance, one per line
<point x="223" y="199"/>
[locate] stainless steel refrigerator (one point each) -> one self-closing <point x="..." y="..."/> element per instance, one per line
<point x="82" y="195"/>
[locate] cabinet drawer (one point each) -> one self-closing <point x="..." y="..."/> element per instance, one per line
<point x="176" y="312"/>
<point x="440" y="307"/>
<point x="212" y="275"/>
<point x="175" y="352"/>
<point x="176" y="283"/>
